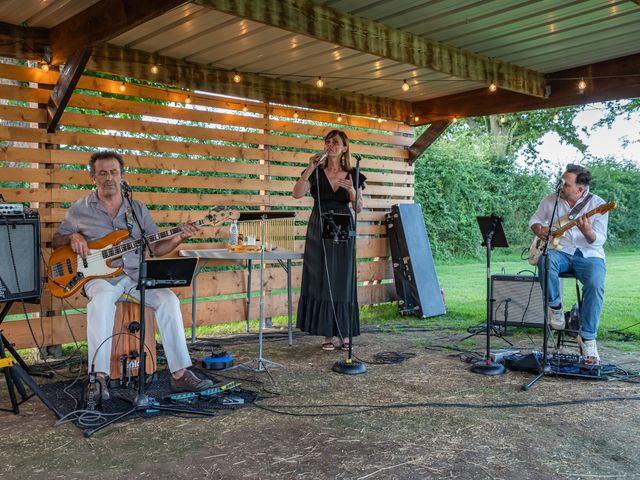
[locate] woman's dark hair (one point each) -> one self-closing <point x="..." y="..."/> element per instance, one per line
<point x="583" y="176"/>
<point x="345" y="160"/>
<point x="104" y="155"/>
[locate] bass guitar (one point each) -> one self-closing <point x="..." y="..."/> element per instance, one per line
<point x="67" y="272"/>
<point x="535" y="251"/>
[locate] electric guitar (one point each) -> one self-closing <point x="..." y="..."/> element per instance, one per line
<point x="535" y="251"/>
<point x="67" y="271"/>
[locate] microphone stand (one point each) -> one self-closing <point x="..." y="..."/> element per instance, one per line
<point x="142" y="401"/>
<point x="545" y="368"/>
<point x="349" y="366"/>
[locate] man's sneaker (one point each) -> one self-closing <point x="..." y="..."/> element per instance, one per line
<point x="98" y="391"/>
<point x="556" y="318"/>
<point x="190" y="383"/>
<point x="589" y="350"/>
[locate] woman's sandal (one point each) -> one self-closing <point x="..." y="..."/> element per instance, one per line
<point x="328" y="346"/>
<point x="345" y="346"/>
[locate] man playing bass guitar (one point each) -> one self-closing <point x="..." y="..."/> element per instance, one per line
<point x="579" y="252"/>
<point x="93" y="217"/>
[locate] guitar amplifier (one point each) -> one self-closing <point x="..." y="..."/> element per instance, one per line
<point x="20" y="257"/>
<point x="518" y="301"/>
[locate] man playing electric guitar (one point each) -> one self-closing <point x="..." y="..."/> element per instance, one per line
<point x="94" y="216"/>
<point x="580" y="252"/>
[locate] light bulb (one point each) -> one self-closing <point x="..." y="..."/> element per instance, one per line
<point x="503" y="119"/>
<point x="493" y="87"/>
<point x="44" y="66"/>
<point x="188" y="99"/>
<point x="339" y="118"/>
<point x="405" y="86"/>
<point x="416" y="119"/>
<point x="154" y="69"/>
<point x="455" y="119"/>
<point x="122" y="87"/>
<point x="582" y="85"/>
<point x="237" y="78"/>
<point x="295" y="114"/>
<point x="556" y="117"/>
<point x="380" y="120"/>
<point x="245" y="108"/>
<point x="319" y="82"/>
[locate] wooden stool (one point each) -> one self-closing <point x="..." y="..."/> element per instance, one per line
<point x="125" y="344"/>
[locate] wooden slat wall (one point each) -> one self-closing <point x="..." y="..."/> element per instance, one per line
<point x="181" y="159"/>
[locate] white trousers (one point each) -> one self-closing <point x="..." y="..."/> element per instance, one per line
<point x="101" y="311"/>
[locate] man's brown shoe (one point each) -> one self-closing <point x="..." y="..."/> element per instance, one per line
<point x="188" y="382"/>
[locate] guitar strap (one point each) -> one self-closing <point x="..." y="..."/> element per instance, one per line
<point x="128" y="218"/>
<point x="579" y="206"/>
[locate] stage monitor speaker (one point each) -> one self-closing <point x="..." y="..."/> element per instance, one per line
<point x="20" y="258"/>
<point x="414" y="273"/>
<point x="517" y="301"/>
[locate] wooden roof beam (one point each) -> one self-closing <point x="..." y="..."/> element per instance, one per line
<point x="23" y="42"/>
<point x="615" y="79"/>
<point x="368" y="36"/>
<point x="101" y="22"/>
<point x="175" y="72"/>
<point x="425" y="140"/>
<point x="67" y="81"/>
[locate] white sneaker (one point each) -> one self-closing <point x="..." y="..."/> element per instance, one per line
<point x="556" y="319"/>
<point x="589" y="350"/>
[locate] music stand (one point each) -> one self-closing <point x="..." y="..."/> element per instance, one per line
<point x="492" y="236"/>
<point x="263" y="217"/>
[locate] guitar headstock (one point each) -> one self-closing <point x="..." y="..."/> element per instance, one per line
<point x="605" y="207"/>
<point x="220" y="216"/>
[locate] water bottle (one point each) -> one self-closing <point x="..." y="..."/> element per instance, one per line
<point x="233" y="233"/>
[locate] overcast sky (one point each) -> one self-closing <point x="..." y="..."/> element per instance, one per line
<point x="602" y="142"/>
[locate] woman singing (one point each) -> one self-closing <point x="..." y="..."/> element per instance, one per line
<point x="328" y="303"/>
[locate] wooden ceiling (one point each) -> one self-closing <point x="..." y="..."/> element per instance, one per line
<point x="447" y="51"/>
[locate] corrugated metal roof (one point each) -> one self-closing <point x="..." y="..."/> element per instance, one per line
<point x="543" y="35"/>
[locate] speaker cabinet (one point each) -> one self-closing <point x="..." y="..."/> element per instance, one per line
<point x="518" y="300"/>
<point x="414" y="273"/>
<point x="20" y="258"/>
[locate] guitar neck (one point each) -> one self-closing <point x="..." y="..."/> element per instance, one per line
<point x="125" y="247"/>
<point x="572" y="223"/>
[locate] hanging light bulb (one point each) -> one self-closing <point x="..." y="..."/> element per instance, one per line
<point x="122" y="87"/>
<point x="154" y="69"/>
<point x="493" y="87"/>
<point x="503" y="119"/>
<point x="319" y="82"/>
<point x="556" y="117"/>
<point x="405" y="86"/>
<point x="416" y="118"/>
<point x="188" y="99"/>
<point x="582" y="85"/>
<point x="295" y="114"/>
<point x="454" y="119"/>
<point x="339" y="117"/>
<point x="236" y="77"/>
<point x="44" y="66"/>
<point x="245" y="108"/>
<point x="380" y="120"/>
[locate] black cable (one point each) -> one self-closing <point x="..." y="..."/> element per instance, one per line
<point x="364" y="408"/>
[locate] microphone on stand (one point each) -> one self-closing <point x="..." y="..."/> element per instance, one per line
<point x="321" y="158"/>
<point x="560" y="184"/>
<point x="125" y="187"/>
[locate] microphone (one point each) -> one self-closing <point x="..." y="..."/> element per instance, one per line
<point x="560" y="184"/>
<point x="124" y="186"/>
<point x="321" y="158"/>
<point x="357" y="157"/>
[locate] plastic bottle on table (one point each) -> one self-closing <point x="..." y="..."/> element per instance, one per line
<point x="233" y="233"/>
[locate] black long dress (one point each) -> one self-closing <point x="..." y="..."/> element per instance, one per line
<point x="326" y="287"/>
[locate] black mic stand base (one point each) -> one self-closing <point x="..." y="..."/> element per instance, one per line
<point x="349" y="367"/>
<point x="546" y="370"/>
<point x="488" y="368"/>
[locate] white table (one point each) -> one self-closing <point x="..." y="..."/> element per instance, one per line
<point x="280" y="255"/>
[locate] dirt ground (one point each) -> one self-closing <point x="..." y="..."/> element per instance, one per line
<point x="445" y="422"/>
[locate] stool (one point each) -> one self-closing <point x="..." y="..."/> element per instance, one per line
<point x="125" y="344"/>
<point x="568" y="330"/>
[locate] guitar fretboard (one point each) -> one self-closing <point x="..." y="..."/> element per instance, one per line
<point x="125" y="247"/>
